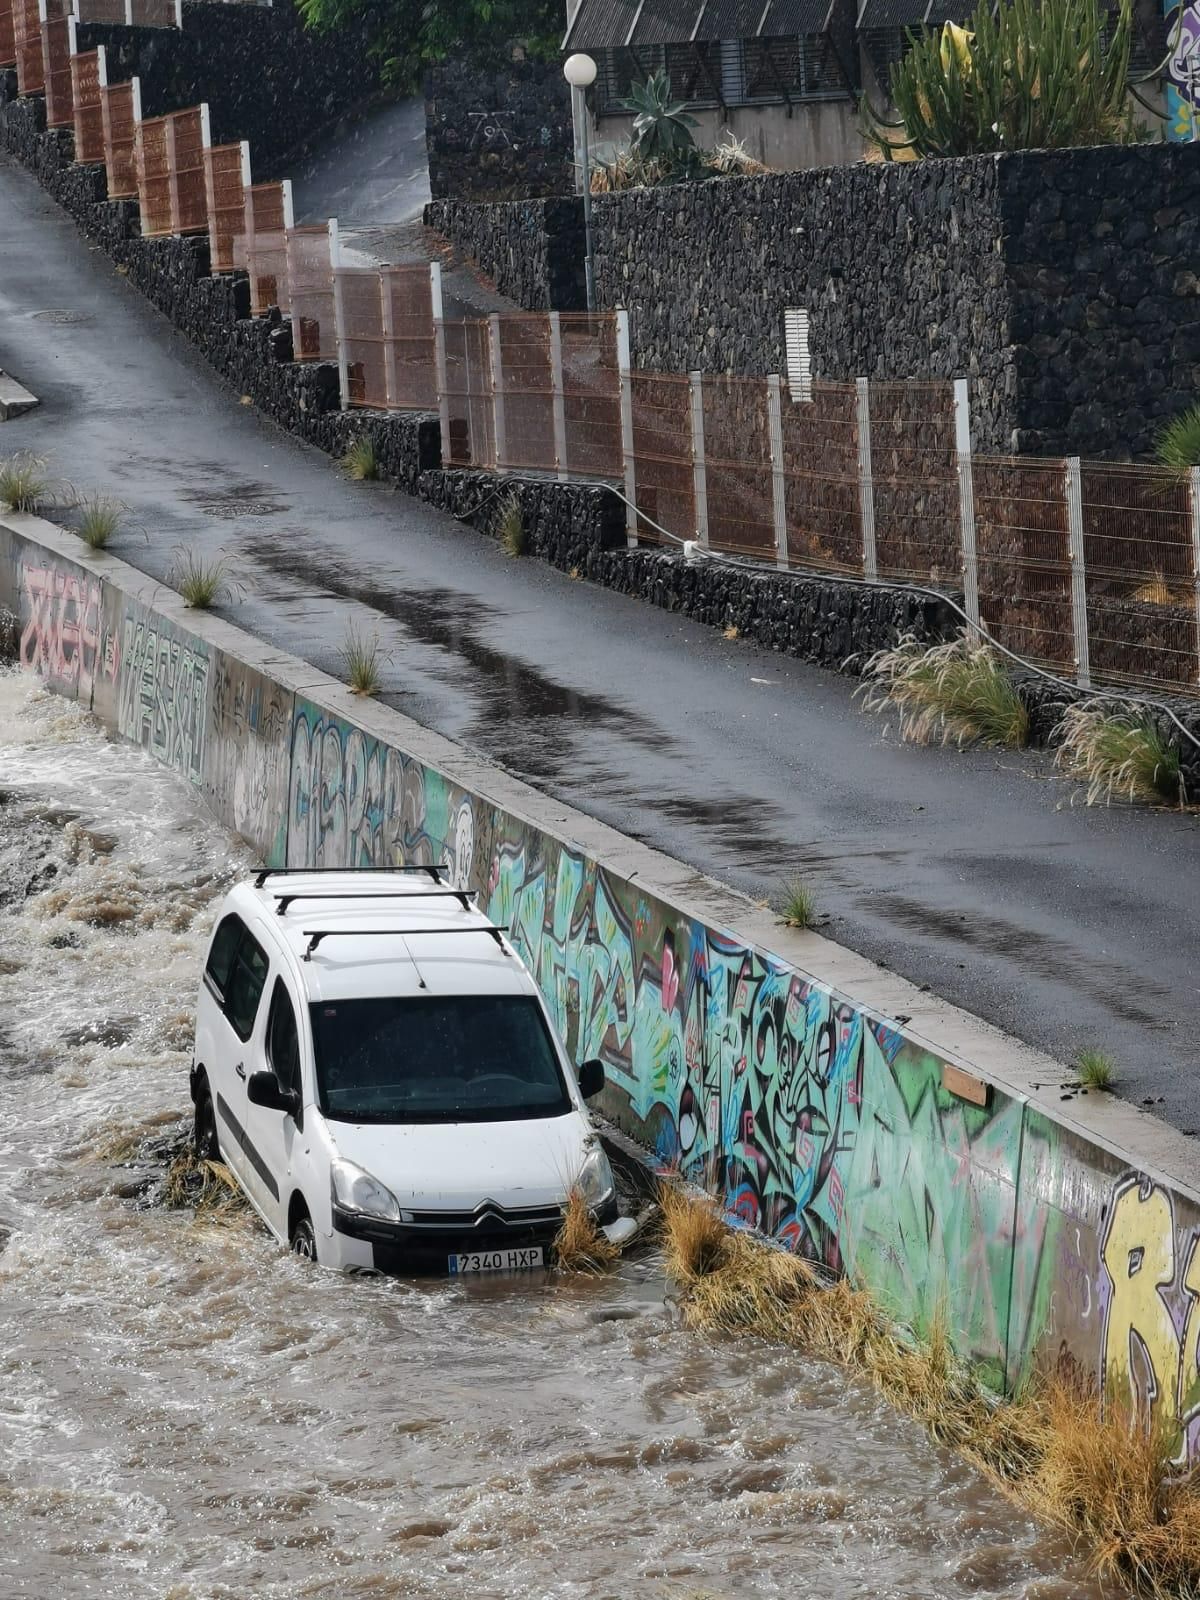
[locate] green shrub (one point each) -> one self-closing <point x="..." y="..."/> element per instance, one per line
<point x="1096" y="1069"/>
<point x="1178" y="445"/>
<point x="1026" y="75"/>
<point x="1120" y="753"/>
<point x="510" y="527"/>
<point x="797" y="905"/>
<point x="960" y="690"/>
<point x="360" y="460"/>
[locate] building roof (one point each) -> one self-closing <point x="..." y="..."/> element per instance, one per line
<point x="611" y="24"/>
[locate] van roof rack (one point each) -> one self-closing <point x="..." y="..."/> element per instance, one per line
<point x="315" y="935"/>
<point x="263" y="873"/>
<point x="463" y="896"/>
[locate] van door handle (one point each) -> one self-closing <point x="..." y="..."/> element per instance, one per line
<point x="240" y="1069"/>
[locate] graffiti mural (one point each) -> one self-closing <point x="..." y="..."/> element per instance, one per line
<point x="162" y="693"/>
<point x="1183" y="71"/>
<point x="60" y="639"/>
<point x="247" y="754"/>
<point x="1151" y="1298"/>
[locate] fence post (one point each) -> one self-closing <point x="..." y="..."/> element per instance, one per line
<point x="625" y="379"/>
<point x="497" y="364"/>
<point x="966" y="501"/>
<point x="1194" y="486"/>
<point x="439" y="356"/>
<point x="129" y="13"/>
<point x="778" y="480"/>
<point x="1083" y="672"/>
<point x="391" y="377"/>
<point x="559" y="398"/>
<point x="866" y="484"/>
<point x="699" y="482"/>
<point x="339" y="315"/>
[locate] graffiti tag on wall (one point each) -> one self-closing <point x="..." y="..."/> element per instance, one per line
<point x="61" y="639"/>
<point x="1183" y="71"/>
<point x="162" y="695"/>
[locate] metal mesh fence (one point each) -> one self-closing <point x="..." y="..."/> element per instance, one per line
<point x="360" y="335"/>
<point x="591" y="396"/>
<point x="309" y="262"/>
<point x="661" y="404"/>
<point x="525" y="405"/>
<point x="87" y="111"/>
<point x="8" y="37"/>
<point x="226" y="167"/>
<point x="27" y="38"/>
<point x="261" y="247"/>
<point x="914" y="482"/>
<point x="133" y="13"/>
<point x="189" y="173"/>
<point x="410" y="356"/>
<point x="739" y="475"/>
<point x="119" y="115"/>
<point x="1023" y="557"/>
<point x="58" y="38"/>
<point x="468" y="398"/>
<point x="152" y="163"/>
<point x="822" y="496"/>
<point x="1141" y="577"/>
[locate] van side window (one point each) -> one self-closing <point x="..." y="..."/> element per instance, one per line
<point x="224" y="948"/>
<point x="283" y="1039"/>
<point x="246" y="982"/>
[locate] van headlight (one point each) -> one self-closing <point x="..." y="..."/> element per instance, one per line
<point x="595" y="1180"/>
<point x="356" y="1190"/>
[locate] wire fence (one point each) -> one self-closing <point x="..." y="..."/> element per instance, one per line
<point x="1089" y="569"/>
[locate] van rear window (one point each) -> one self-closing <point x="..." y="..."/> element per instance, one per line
<point x="446" y="1058"/>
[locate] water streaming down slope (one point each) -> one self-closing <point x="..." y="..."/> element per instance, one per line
<point x="186" y="1413"/>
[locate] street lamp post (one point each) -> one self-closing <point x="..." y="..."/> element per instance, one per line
<point x="580" y="73"/>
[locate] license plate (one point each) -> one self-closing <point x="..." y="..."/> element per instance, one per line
<point x="497" y="1260"/>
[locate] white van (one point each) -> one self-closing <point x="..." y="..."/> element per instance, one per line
<point x="375" y="1064"/>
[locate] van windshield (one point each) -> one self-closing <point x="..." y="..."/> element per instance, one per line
<point x="448" y="1058"/>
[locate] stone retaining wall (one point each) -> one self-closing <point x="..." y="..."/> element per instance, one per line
<point x="532" y="250"/>
<point x="498" y="133"/>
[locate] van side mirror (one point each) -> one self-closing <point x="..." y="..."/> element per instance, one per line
<point x="591" y="1078"/>
<point x="264" y="1089"/>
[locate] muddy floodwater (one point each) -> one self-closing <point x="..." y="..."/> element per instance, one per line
<point x="187" y="1413"/>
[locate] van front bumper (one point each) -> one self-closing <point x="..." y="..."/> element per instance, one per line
<point x="427" y="1243"/>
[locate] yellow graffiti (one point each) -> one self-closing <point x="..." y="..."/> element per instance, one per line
<point x="1144" y="1360"/>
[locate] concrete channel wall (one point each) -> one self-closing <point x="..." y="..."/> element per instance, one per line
<point x="953" y="1178"/>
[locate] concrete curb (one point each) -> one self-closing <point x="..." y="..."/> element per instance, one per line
<point x="15" y="401"/>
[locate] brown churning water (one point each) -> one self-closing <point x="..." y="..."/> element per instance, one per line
<point x="186" y="1413"/>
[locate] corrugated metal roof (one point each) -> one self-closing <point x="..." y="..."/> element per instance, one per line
<point x="609" y="24"/>
<point x="787" y="19"/>
<point x="666" y="22"/>
<point x="601" y="24"/>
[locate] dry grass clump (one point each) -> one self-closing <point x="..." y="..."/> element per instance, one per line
<point x="361" y="662"/>
<point x="24" y="485"/>
<point x="201" y="584"/>
<point x="100" y="521"/>
<point x="959" y="691"/>
<point x="797" y="905"/>
<point x="1102" y="1480"/>
<point x="1120" y="753"/>
<point x="581" y="1245"/>
<point x="1096" y="1069"/>
<point x="510" y="527"/>
<point x="360" y="460"/>
<point x="206" y="1187"/>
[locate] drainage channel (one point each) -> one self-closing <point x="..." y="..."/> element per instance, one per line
<point x="186" y="1411"/>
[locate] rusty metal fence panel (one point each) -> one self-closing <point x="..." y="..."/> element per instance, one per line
<point x="661" y="404"/>
<point x="469" y="398"/>
<point x="226" y="173"/>
<point x="1140" y="575"/>
<point x="8" y="36"/>
<point x="27" y="37"/>
<point x="1024" y="564"/>
<point x="914" y="482"/>
<point x="262" y="246"/>
<point x="821" y="487"/>
<point x="524" y="393"/>
<point x="406" y="294"/>
<point x="131" y="13"/>
<point x="361" y="343"/>
<point x="189" y="173"/>
<point x="309" y="260"/>
<point x="121" y="108"/>
<point x="115" y="11"/>
<point x="739" y="479"/>
<point x="58" y="45"/>
<point x="87" y="110"/>
<point x="591" y="395"/>
<point x="152" y="163"/>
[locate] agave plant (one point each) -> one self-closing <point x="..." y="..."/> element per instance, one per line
<point x="662" y="127"/>
<point x="1178" y="445"/>
<point x="1026" y="75"/>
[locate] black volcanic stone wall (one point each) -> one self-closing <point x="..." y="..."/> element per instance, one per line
<point x="499" y="133"/>
<point x="263" y="76"/>
<point x="1102" y="250"/>
<point x="532" y="250"/>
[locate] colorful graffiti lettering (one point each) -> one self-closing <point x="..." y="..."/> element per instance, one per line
<point x="1183" y="71"/>
<point x="61" y="638"/>
<point x="1149" y="1359"/>
<point x="162" y="701"/>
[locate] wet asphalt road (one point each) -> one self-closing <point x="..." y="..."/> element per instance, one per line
<point x="971" y="872"/>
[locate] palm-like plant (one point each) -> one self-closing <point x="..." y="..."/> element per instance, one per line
<point x="661" y="126"/>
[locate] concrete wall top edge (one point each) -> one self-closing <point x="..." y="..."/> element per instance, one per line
<point x="933" y="1025"/>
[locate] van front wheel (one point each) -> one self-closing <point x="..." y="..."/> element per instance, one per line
<point x="302" y="1238"/>
<point x="205" y="1130"/>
